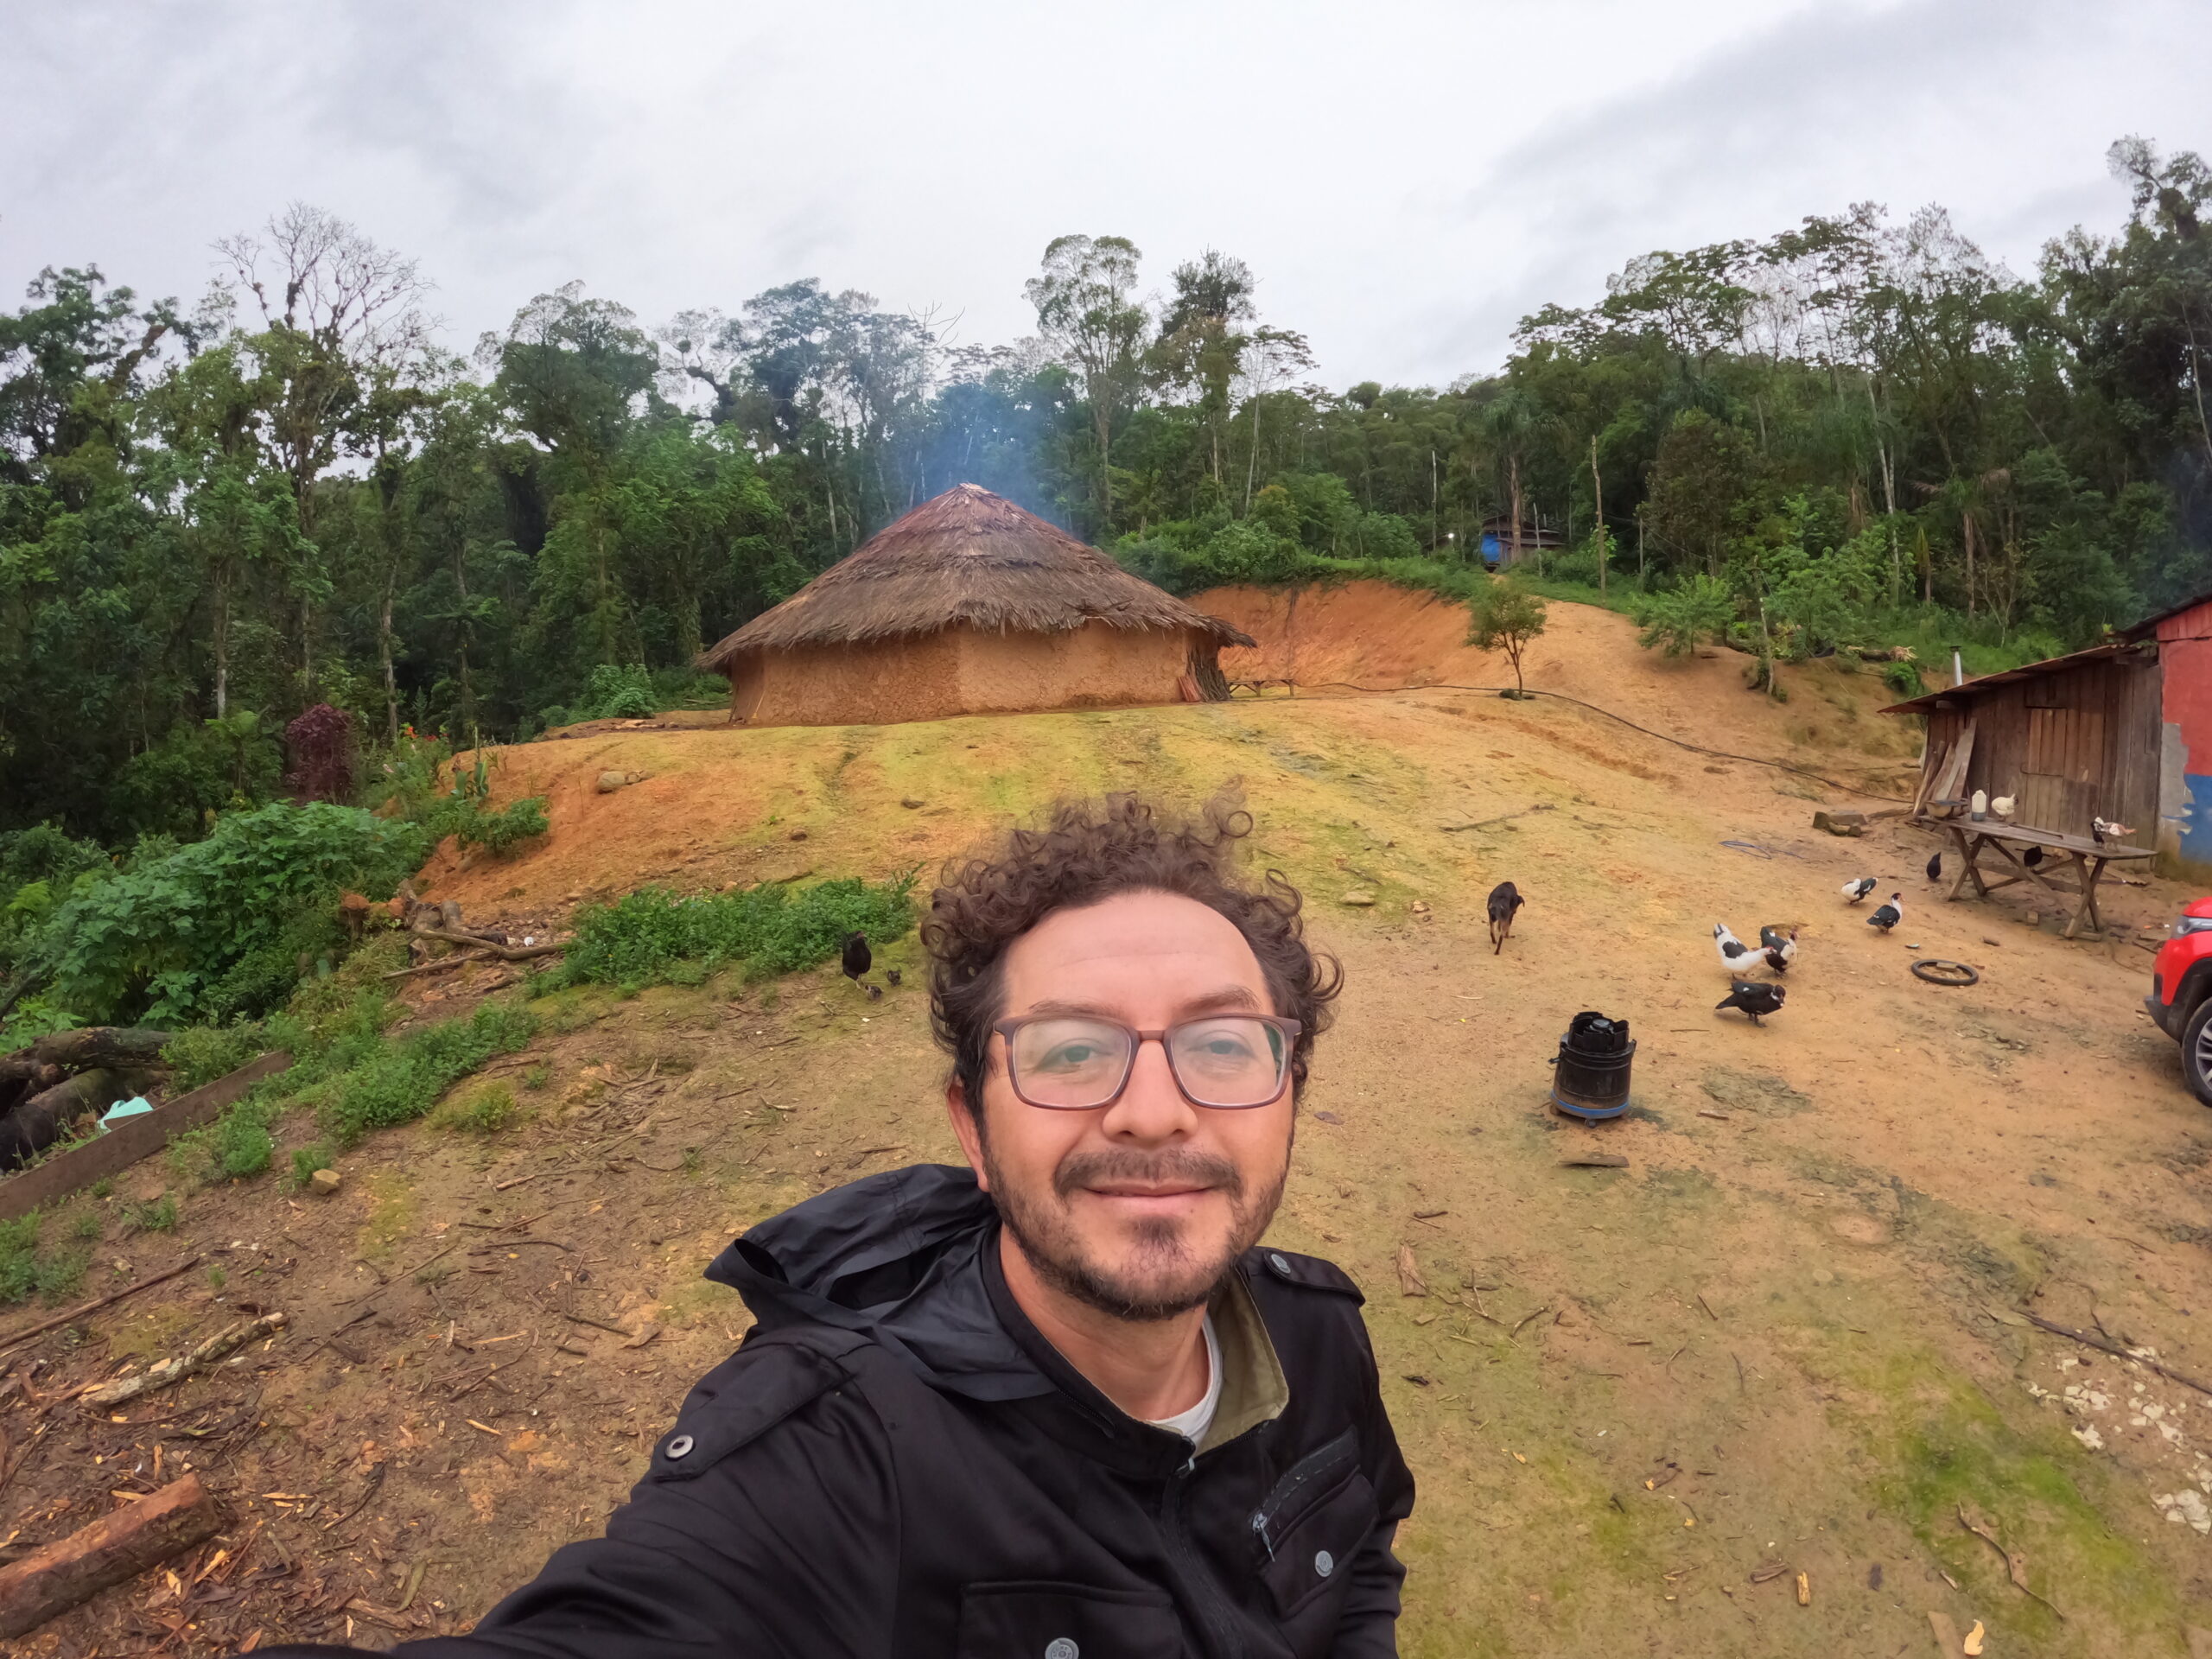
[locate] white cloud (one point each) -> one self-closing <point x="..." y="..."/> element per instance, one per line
<point x="1408" y="178"/>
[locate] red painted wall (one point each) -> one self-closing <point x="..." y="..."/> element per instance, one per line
<point x="2185" y="670"/>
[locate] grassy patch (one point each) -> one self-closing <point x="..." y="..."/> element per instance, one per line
<point x="398" y="1081"/>
<point x="1948" y="1446"/>
<point x="26" y="1270"/>
<point x="653" y="936"/>
<point x="156" y="1216"/>
<point x="485" y="1109"/>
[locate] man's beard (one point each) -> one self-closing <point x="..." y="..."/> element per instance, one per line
<point x="1164" y="1279"/>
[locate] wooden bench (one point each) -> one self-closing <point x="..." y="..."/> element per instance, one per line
<point x="2082" y="859"/>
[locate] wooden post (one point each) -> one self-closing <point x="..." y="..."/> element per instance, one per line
<point x="117" y="1546"/>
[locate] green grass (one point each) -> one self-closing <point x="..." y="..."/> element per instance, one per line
<point x="156" y="1216"/>
<point x="653" y="936"/>
<point x="486" y="1109"/>
<point x="27" y="1271"/>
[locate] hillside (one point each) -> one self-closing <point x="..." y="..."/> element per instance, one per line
<point x="1785" y="1338"/>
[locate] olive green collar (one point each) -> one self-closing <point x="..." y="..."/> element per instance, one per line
<point x="1253" y="1388"/>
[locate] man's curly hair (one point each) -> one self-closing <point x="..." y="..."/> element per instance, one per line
<point x="1089" y="852"/>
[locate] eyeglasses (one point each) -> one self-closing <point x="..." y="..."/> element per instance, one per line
<point x="1076" y="1063"/>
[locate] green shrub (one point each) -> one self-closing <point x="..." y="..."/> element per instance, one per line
<point x="1679" y="621"/>
<point x="158" y="1216"/>
<point x="1903" y="678"/>
<point x="486" y="1109"/>
<point x="199" y="1054"/>
<point x="242" y="1145"/>
<point x="308" y="1160"/>
<point x="85" y="1224"/>
<point x="499" y="832"/>
<point x="618" y="693"/>
<point x="58" y="1277"/>
<point x="161" y="940"/>
<point x="647" y="937"/>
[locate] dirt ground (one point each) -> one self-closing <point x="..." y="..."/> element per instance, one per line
<point x="1786" y="1344"/>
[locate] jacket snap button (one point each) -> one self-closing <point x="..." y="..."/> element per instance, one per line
<point x="1279" y="1262"/>
<point x="680" y="1446"/>
<point x="1061" y="1647"/>
<point x="1324" y="1563"/>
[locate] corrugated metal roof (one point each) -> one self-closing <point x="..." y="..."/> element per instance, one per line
<point x="2148" y="625"/>
<point x="1974" y="688"/>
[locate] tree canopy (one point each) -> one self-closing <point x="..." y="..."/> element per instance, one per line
<point x="290" y="493"/>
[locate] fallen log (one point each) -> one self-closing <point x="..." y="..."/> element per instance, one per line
<point x="34" y="1125"/>
<point x="17" y="1069"/>
<point x="119" y="1545"/>
<point x="90" y="1046"/>
<point x="170" y="1371"/>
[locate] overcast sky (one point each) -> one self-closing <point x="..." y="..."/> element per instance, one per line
<point x="1407" y="178"/>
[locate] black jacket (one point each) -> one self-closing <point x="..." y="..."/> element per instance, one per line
<point x="895" y="1463"/>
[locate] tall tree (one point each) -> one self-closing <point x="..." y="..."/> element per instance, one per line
<point x="1084" y="296"/>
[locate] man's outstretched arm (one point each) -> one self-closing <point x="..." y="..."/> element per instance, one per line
<point x="785" y="1545"/>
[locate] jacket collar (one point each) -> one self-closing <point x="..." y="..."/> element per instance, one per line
<point x="1253" y="1388"/>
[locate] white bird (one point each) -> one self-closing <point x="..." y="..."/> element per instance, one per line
<point x="2104" y="829"/>
<point x="1779" y="949"/>
<point x="1735" y="956"/>
<point x="2002" y="806"/>
<point x="1855" y="891"/>
<point x="1890" y="914"/>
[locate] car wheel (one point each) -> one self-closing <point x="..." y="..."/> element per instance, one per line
<point x="2196" y="1050"/>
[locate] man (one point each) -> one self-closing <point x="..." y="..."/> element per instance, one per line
<point x="1057" y="1405"/>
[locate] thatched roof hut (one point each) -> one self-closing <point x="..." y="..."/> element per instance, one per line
<point x="968" y="605"/>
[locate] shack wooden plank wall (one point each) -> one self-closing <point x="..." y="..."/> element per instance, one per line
<point x="2079" y="743"/>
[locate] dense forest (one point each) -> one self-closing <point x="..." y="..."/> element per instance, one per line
<point x="291" y="493"/>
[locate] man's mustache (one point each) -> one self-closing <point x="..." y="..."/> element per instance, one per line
<point x="1177" y="1166"/>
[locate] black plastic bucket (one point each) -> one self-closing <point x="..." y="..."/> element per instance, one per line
<point x="1590" y="1077"/>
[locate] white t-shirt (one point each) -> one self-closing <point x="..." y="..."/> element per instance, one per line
<point x="1192" y="1425"/>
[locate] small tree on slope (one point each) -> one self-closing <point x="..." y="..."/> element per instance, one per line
<point x="1506" y="618"/>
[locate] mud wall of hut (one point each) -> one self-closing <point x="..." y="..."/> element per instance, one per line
<point x="959" y="671"/>
<point x="2068" y="747"/>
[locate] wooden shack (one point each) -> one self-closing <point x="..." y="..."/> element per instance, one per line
<point x="1497" y="544"/>
<point x="2070" y="739"/>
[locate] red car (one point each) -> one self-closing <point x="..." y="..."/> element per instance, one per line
<point x="2181" y="994"/>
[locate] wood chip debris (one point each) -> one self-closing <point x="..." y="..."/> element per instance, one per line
<point x="1410" y="1282"/>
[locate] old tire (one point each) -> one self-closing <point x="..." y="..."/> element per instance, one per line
<point x="2196" y="1051"/>
<point x="1937" y="970"/>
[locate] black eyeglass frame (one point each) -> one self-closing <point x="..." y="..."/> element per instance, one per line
<point x="1289" y="1029"/>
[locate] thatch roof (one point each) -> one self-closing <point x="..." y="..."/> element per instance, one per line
<point x="968" y="557"/>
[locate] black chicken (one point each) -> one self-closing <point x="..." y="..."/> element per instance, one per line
<point x="1755" y="997"/>
<point x="1934" y="867"/>
<point x="1504" y="899"/>
<point x="857" y="959"/>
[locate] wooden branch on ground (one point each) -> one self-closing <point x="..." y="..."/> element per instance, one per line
<point x="505" y="952"/>
<point x="116" y="1547"/>
<point x="2115" y="1351"/>
<point x="442" y="963"/>
<point x="170" y="1371"/>
<point x="75" y="1313"/>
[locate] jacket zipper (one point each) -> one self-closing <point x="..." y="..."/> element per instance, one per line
<point x="1218" y="1619"/>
